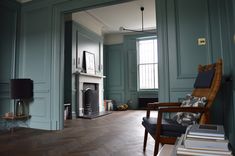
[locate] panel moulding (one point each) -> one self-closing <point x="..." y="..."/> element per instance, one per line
<point x="179" y="66"/>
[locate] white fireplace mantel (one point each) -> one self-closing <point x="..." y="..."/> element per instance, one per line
<point x="91" y="75"/>
<point x="89" y="78"/>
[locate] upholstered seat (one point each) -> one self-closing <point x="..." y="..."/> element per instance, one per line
<point x="165" y="131"/>
<point x="170" y="128"/>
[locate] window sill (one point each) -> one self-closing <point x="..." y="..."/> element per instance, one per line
<point x="147" y="90"/>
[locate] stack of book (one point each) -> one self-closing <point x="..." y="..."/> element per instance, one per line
<point x="203" y="140"/>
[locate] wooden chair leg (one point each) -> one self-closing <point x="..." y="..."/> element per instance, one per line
<point x="156" y="148"/>
<point x="145" y="139"/>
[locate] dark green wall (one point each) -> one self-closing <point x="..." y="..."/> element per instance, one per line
<point x="9" y="15"/>
<point x="121" y="72"/>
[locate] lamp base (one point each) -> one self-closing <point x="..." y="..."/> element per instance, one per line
<point x="20" y="108"/>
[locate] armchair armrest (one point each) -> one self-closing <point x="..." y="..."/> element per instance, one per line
<point x="183" y="109"/>
<point x="157" y="105"/>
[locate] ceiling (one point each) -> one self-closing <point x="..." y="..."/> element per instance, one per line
<point x="127" y="15"/>
<point x="108" y="20"/>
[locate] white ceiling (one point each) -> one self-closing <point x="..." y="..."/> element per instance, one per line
<point x="128" y="15"/>
<point x="108" y="20"/>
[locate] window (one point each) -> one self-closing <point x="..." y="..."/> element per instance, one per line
<point x="147" y="64"/>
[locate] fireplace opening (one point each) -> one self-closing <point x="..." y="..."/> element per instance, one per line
<point x="91" y="101"/>
<point x="92" y="86"/>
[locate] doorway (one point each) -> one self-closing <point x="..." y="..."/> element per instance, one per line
<point x="73" y="61"/>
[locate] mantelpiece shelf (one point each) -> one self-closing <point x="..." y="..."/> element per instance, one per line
<point x="92" y="75"/>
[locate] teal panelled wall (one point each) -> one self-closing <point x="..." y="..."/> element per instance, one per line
<point x="184" y="52"/>
<point x="228" y="23"/>
<point x="114" y="72"/>
<point x="178" y="47"/>
<point x="131" y="70"/>
<point x="41" y="56"/>
<point x="77" y="40"/>
<point x="121" y="71"/>
<point x="47" y="108"/>
<point x="34" y="62"/>
<point x="9" y="14"/>
<point x="180" y="24"/>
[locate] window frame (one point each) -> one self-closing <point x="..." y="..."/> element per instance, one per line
<point x="138" y="64"/>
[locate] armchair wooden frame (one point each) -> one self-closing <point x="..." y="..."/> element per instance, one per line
<point x="209" y="93"/>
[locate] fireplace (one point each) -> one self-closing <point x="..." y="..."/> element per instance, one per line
<point x="89" y="82"/>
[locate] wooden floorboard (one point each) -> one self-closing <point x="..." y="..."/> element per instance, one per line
<point x="117" y="134"/>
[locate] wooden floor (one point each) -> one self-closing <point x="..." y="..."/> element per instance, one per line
<point x="117" y="134"/>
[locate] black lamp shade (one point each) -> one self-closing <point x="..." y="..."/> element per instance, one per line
<point x="21" y="88"/>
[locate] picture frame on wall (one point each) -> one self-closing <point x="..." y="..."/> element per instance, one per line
<point x="89" y="62"/>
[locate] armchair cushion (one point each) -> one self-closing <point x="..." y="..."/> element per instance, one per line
<point x="204" y="79"/>
<point x="188" y="118"/>
<point x="169" y="127"/>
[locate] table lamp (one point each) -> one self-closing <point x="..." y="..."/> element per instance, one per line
<point x="21" y="89"/>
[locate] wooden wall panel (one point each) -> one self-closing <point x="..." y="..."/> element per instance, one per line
<point x="117" y="96"/>
<point x="35" y="53"/>
<point x="180" y="24"/>
<point x="9" y="12"/>
<point x="184" y="52"/>
<point x="189" y="53"/>
<point x="35" y="63"/>
<point x="132" y="70"/>
<point x="115" y="69"/>
<point x="5" y="105"/>
<point x="188" y="21"/>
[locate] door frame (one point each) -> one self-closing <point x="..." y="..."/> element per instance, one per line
<point x="59" y="12"/>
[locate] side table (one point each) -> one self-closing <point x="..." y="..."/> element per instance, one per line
<point x="15" y="121"/>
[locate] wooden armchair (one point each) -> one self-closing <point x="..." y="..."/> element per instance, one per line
<point x="165" y="131"/>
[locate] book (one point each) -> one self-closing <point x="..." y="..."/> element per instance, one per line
<point x="208" y="144"/>
<point x="207" y="130"/>
<point x="182" y="150"/>
<point x="179" y="153"/>
<point x="205" y="137"/>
